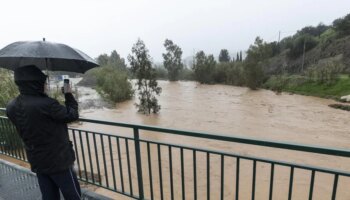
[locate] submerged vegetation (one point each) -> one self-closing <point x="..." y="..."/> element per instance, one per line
<point x="113" y="84"/>
<point x="110" y="79"/>
<point x="146" y="83"/>
<point x="172" y="60"/>
<point x="340" y="106"/>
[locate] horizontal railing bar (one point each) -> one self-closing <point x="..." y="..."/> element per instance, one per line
<point x="307" y="167"/>
<point x="202" y="135"/>
<point x="325" y="170"/>
<point x="244" y="140"/>
<point x="264" y="160"/>
<point x="275" y="144"/>
<point x="104" y="134"/>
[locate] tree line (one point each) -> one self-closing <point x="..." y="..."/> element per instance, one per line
<point x="237" y="70"/>
<point x="112" y="78"/>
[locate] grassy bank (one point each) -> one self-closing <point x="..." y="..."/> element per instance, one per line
<point x="302" y="85"/>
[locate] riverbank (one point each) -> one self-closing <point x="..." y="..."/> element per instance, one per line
<point x="301" y="85"/>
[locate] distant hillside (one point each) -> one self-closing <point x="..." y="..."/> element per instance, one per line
<point x="322" y="43"/>
<point x="336" y="51"/>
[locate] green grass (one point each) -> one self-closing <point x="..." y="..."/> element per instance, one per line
<point x="340" y="87"/>
<point x="344" y="76"/>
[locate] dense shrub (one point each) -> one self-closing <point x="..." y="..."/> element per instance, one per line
<point x="113" y="84"/>
<point x="111" y="79"/>
<point x="342" y="26"/>
<point x="8" y="91"/>
<point x="186" y="74"/>
<point x="8" y="88"/>
<point x="221" y="72"/>
<point x="235" y="75"/>
<point x="325" y="73"/>
<point x="254" y="75"/>
<point x="297" y="47"/>
<point x="327" y="38"/>
<point x="229" y="73"/>
<point x="204" y="68"/>
<point x="280" y="82"/>
<point x="161" y="72"/>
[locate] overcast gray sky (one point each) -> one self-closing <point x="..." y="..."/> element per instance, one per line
<point x="100" y="26"/>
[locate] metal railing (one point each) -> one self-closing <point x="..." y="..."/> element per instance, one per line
<point x="144" y="168"/>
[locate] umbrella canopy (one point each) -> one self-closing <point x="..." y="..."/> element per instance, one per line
<point x="46" y="56"/>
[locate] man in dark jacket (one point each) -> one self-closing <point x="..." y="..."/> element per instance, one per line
<point x="42" y="124"/>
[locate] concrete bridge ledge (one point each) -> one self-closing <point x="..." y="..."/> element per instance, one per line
<point x="19" y="183"/>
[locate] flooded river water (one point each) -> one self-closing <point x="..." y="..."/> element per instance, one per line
<point x="238" y="111"/>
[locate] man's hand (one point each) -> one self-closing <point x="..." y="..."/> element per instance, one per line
<point x="66" y="89"/>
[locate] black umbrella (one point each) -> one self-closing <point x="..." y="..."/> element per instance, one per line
<point x="46" y="56"/>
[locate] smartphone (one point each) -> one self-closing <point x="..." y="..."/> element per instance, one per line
<point x="65" y="85"/>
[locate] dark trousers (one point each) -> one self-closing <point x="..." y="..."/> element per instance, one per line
<point x="66" y="181"/>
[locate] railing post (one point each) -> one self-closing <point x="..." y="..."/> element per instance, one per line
<point x="138" y="162"/>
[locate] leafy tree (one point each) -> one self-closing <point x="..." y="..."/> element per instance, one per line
<point x="342" y="25"/>
<point x="102" y="59"/>
<point x="147" y="85"/>
<point x="257" y="55"/>
<point x="328" y="37"/>
<point x="114" y="60"/>
<point x="254" y="74"/>
<point x="172" y="60"/>
<point x="274" y="47"/>
<point x="204" y="67"/>
<point x="224" y="56"/>
<point x="314" y="31"/>
<point x="234" y="74"/>
<point x="258" y="52"/>
<point x="221" y="69"/>
<point x="297" y="48"/>
<point x="286" y="43"/>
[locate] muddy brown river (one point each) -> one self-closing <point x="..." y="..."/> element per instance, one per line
<point x="237" y="111"/>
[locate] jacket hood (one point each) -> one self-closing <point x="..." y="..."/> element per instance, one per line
<point x="30" y="80"/>
<point x="29" y="73"/>
<point x="31" y="87"/>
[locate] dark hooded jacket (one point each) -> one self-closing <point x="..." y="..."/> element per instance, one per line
<point x="42" y="122"/>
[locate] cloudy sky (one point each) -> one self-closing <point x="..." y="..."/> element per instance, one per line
<point x="100" y="26"/>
